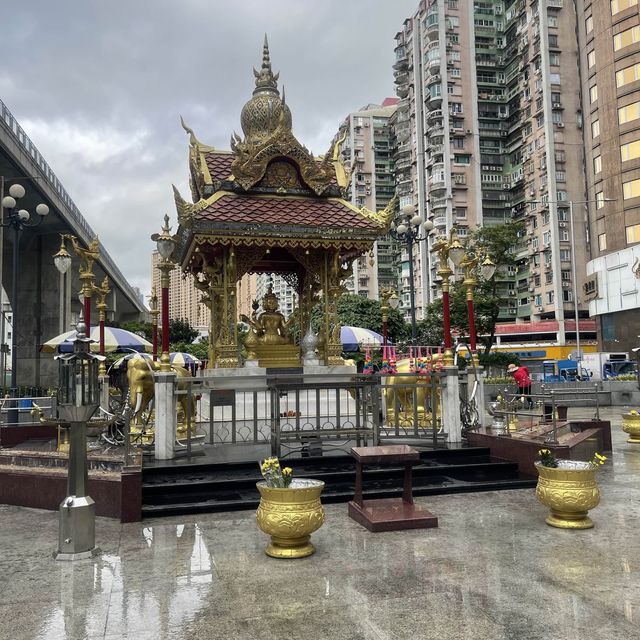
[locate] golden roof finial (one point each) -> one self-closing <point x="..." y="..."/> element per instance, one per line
<point x="265" y="79"/>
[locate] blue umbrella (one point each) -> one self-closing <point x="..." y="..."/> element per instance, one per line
<point x="353" y="338"/>
<point x="114" y="340"/>
<point x="183" y="359"/>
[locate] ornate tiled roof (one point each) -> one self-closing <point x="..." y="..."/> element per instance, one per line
<point x="325" y="213"/>
<point x="219" y="164"/>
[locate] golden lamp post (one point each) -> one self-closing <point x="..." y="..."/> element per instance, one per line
<point x="469" y="263"/>
<point x="88" y="256"/>
<point x="155" y="312"/>
<point x="447" y="249"/>
<point x="165" y="243"/>
<point x="388" y="300"/>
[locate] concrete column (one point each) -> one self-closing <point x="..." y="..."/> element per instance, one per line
<point x="166" y="416"/>
<point x="451" y="405"/>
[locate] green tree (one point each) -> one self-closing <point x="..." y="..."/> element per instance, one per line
<point x="181" y="331"/>
<point x="358" y="311"/>
<point x="499" y="242"/>
<point x="142" y="329"/>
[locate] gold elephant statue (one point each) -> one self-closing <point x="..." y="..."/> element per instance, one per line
<point x="140" y="371"/>
<point x="399" y="399"/>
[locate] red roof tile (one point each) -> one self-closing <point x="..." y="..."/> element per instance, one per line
<point x="219" y="164"/>
<point x="281" y="210"/>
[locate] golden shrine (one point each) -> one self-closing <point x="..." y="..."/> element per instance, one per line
<point x="269" y="206"/>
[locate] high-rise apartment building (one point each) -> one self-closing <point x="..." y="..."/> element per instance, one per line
<point x="609" y="33"/>
<point x="489" y="129"/>
<point x="183" y="297"/>
<point x="367" y="147"/>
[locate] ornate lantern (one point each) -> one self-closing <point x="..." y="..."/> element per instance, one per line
<point x="78" y="399"/>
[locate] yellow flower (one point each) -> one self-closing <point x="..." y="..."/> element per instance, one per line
<point x="633" y="412"/>
<point x="287" y="471"/>
<point x="603" y="458"/>
<point x="543" y="452"/>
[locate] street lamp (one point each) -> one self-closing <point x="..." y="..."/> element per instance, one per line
<point x="78" y="399"/>
<point x="388" y="300"/>
<point x="573" y="259"/>
<point x="165" y="243"/>
<point x="18" y="220"/>
<point x="470" y="263"/>
<point x="62" y="261"/>
<point x="447" y="249"/>
<point x="409" y="232"/>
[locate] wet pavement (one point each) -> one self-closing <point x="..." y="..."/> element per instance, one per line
<point x="493" y="570"/>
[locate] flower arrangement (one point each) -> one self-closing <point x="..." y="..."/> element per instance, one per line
<point x="547" y="459"/>
<point x="274" y="475"/>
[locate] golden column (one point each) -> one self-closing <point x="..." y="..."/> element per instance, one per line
<point x="447" y="249"/>
<point x="102" y="291"/>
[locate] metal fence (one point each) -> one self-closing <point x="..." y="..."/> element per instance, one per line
<point x="310" y="412"/>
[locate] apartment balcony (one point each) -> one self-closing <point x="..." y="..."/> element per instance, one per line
<point x="436" y="204"/>
<point x="440" y="222"/>
<point x="402" y="92"/>
<point x="401" y="78"/>
<point x="434" y="64"/>
<point x="434" y="102"/>
<point x="401" y="64"/>
<point x="436" y="114"/>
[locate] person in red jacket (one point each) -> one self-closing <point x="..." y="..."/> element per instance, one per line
<point x="523" y="380"/>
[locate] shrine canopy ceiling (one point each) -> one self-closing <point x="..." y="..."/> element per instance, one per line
<point x="269" y="191"/>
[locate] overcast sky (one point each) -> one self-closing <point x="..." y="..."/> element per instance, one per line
<point x="99" y="87"/>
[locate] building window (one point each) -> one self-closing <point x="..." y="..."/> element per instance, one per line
<point x="599" y="200"/>
<point x="565" y="255"/>
<point x="597" y="164"/>
<point x="556" y="116"/>
<point x="460" y="158"/>
<point x="554" y="59"/>
<point x="626" y="38"/>
<point x="630" y="151"/>
<point x="561" y="176"/>
<point x="602" y="242"/>
<point x="621" y="5"/>
<point x="564" y="235"/>
<point x="630" y="189"/>
<point x="461" y="212"/>
<point x="588" y="24"/>
<point x="593" y="93"/>
<point x="537" y="300"/>
<point x="628" y="75"/>
<point x="591" y="59"/>
<point x="550" y="297"/>
<point x="633" y="233"/>
<point x="595" y="128"/>
<point x="629" y="113"/>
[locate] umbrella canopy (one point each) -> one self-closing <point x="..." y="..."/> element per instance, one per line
<point x="183" y="359"/>
<point x="355" y="337"/>
<point x="121" y="363"/>
<point x="114" y="340"/>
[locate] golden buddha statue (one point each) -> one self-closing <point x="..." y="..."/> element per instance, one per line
<point x="268" y="340"/>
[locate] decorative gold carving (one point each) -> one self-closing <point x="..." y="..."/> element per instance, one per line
<point x="290" y="516"/>
<point x="631" y="425"/>
<point x="382" y="218"/>
<point x="281" y="176"/>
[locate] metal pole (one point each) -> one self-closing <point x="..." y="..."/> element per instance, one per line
<point x="412" y="290"/>
<point x="575" y="284"/>
<point x="13" y="413"/>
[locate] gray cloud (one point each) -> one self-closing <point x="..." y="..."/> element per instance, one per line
<point x="99" y="87"/>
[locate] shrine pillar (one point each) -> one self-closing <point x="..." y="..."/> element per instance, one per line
<point x="226" y="345"/>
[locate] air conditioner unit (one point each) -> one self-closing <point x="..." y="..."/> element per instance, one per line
<point x="469" y="132"/>
<point x="556" y="105"/>
<point x="506" y="185"/>
<point x="366" y="123"/>
<point x="560" y="125"/>
<point x="513" y="311"/>
<point x="367" y="181"/>
<point x="562" y="225"/>
<point x="512" y="293"/>
<point x="566" y="285"/>
<point x="368" y="192"/>
<point x="532" y="289"/>
<point x="539" y="308"/>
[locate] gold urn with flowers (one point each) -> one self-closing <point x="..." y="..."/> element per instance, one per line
<point x="631" y="425"/>
<point x="290" y="510"/>
<point x="568" y="488"/>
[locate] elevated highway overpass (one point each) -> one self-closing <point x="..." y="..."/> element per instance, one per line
<point x="47" y="300"/>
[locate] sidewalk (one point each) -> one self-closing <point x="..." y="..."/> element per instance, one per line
<point x="493" y="570"/>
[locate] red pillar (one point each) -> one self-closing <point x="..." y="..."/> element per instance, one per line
<point x="101" y="335"/>
<point x="87" y="314"/>
<point x="165" y="319"/>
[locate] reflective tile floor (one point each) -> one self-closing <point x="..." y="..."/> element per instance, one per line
<point x="493" y="570"/>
